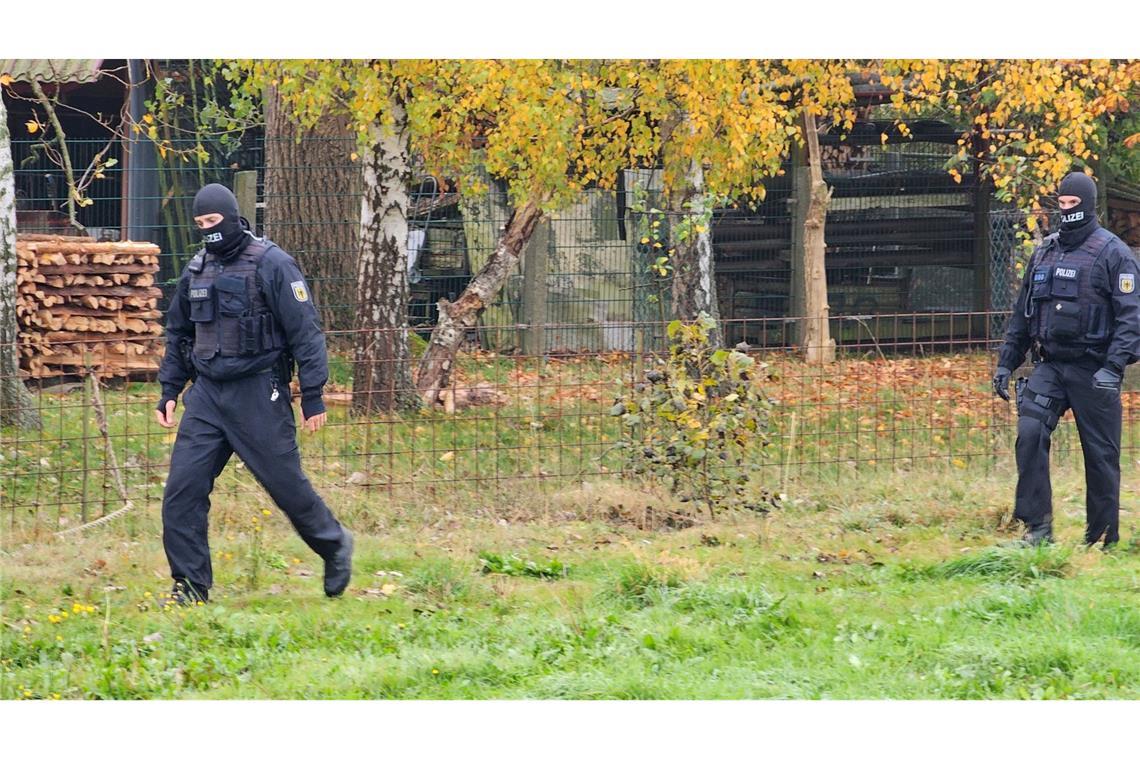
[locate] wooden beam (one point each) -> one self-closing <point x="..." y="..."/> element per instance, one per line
<point x="245" y="189"/>
<point x="534" y="291"/>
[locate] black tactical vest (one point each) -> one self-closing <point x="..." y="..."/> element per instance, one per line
<point x="227" y="308"/>
<point x="1066" y="314"/>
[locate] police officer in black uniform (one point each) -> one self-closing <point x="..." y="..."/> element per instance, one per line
<point x="1079" y="312"/>
<point x="240" y="316"/>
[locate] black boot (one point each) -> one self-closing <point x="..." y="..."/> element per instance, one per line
<point x="1038" y="535"/>
<point x="184" y="593"/>
<point x="338" y="568"/>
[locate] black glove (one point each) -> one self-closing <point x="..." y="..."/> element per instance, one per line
<point x="1107" y="380"/>
<point x="1001" y="383"/>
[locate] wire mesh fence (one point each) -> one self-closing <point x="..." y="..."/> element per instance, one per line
<point x="902" y="237"/>
<point x="516" y="427"/>
<point x="920" y="279"/>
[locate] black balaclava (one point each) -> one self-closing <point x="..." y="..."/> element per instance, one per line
<point x="1078" y="222"/>
<point x="227" y="237"/>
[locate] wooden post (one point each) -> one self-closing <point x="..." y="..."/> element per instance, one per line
<point x="245" y="189"/>
<point x="801" y="181"/>
<point x="534" y="291"/>
<point x="817" y="342"/>
<point x="983" y="262"/>
<point x="1103" y="179"/>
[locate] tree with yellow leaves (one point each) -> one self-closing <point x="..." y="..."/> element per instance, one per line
<point x="727" y="126"/>
<point x="1027" y="123"/>
<point x="548" y="128"/>
<point x="371" y="95"/>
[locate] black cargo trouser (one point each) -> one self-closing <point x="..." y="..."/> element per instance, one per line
<point x="219" y="419"/>
<point x="1053" y="388"/>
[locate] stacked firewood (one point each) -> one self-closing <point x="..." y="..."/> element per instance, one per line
<point x="84" y="303"/>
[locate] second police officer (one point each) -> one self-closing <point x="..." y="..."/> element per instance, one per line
<point x="239" y="317"/>
<point x="1078" y="311"/>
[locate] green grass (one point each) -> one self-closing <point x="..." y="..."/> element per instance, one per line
<point x="1007" y="564"/>
<point x="499" y="556"/>
<point x="882" y="587"/>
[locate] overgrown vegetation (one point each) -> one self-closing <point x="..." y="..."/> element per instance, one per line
<point x="699" y="419"/>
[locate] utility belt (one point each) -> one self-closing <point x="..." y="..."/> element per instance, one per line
<point x="1039" y="354"/>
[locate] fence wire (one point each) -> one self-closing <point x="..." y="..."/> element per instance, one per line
<point x="920" y="283"/>
<point x="520" y="427"/>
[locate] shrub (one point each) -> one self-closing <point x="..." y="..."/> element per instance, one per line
<point x="698" y="421"/>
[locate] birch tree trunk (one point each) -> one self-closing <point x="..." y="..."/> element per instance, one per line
<point x="455" y="319"/>
<point x="17" y="407"/>
<point x="382" y="377"/>
<point x="312" y="205"/>
<point x="819" y="347"/>
<point x="694" y="280"/>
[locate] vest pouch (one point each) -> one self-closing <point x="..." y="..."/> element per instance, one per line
<point x="271" y="337"/>
<point x="1066" y="283"/>
<point x="1097" y="324"/>
<point x="249" y="334"/>
<point x="1041" y="283"/>
<point x="1065" y="321"/>
<point x="232" y="298"/>
<point x="202" y="304"/>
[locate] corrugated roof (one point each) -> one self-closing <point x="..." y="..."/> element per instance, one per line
<point x="58" y="70"/>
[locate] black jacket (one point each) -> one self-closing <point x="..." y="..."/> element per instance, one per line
<point x="289" y="300"/>
<point x="1116" y="278"/>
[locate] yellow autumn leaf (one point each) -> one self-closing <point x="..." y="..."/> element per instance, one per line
<point x="5" y="79"/>
<point x="447" y="456"/>
<point x="32" y="126"/>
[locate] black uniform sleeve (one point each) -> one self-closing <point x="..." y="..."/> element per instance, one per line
<point x="1123" y="280"/>
<point x="1012" y="352"/>
<point x="291" y="301"/>
<point x="175" y="369"/>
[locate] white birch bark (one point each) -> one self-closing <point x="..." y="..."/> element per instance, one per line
<point x="17" y="406"/>
<point x="382" y="378"/>
<point x="455" y="319"/>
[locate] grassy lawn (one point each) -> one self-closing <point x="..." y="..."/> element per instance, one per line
<point x="500" y="555"/>
<point x="884" y="585"/>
